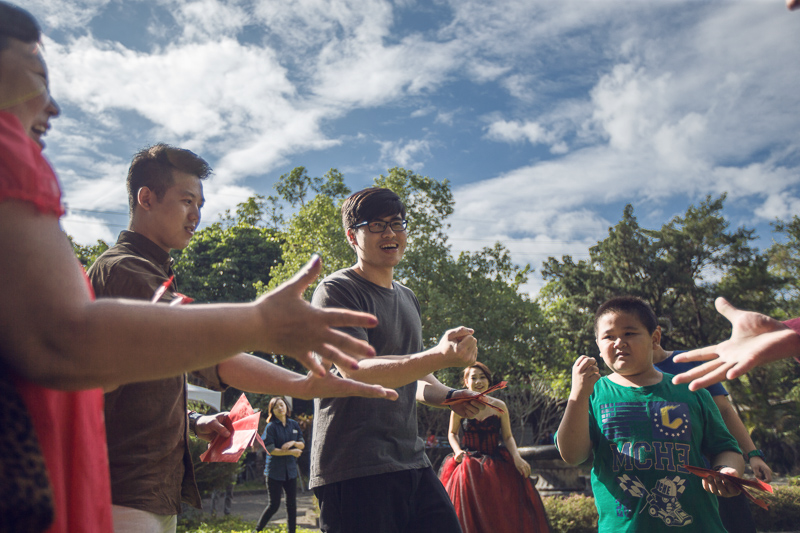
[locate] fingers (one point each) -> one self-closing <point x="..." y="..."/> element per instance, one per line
<point x="725" y="308"/>
<point x="458" y="333"/>
<point x="703" y="375"/>
<point x="311" y="363"/>
<point x="761" y="471"/>
<point x="343" y="318"/>
<point x="349" y="387"/>
<point x="305" y="276"/>
<point x="791" y="5"/>
<point x="700" y="354"/>
<point x="331" y="386"/>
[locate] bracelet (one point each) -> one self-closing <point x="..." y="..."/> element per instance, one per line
<point x="450" y="394"/>
<point x="720" y="467"/>
<point x="755" y="453"/>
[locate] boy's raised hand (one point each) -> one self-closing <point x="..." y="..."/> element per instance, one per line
<point x="585" y="373"/>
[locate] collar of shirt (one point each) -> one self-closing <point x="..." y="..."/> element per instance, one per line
<point x="146" y="248"/>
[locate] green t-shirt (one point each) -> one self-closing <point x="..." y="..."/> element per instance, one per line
<point x="641" y="438"/>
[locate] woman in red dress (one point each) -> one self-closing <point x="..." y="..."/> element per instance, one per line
<point x="489" y="484"/>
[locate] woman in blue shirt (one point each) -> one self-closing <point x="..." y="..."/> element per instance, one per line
<point x="284" y="441"/>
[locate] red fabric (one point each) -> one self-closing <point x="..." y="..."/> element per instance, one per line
<point x="488" y="492"/>
<point x="24" y="173"/>
<point x="72" y="435"/>
<point x="69" y="425"/>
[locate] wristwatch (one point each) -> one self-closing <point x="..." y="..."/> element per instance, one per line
<point x="755" y="453"/>
<point x="193" y="416"/>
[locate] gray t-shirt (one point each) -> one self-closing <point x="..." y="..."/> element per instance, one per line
<point x="358" y="437"/>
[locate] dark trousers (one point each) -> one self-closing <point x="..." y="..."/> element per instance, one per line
<point x="275" y="487"/>
<point x="410" y="501"/>
<point x="736" y="515"/>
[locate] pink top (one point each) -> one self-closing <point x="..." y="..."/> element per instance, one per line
<point x="69" y="424"/>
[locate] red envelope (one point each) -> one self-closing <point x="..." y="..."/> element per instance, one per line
<point x="161" y="290"/>
<point x="242" y="422"/>
<point x="738" y="481"/>
<point x="479" y="398"/>
<point x="179" y="298"/>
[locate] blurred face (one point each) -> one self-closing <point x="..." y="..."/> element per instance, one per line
<point x="625" y="344"/>
<point x="175" y="217"/>
<point x="279" y="409"/>
<point x="476" y="380"/>
<point x="24" y="88"/>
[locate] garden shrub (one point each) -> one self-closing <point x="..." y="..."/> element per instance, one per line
<point x="784" y="509"/>
<point x="571" y="514"/>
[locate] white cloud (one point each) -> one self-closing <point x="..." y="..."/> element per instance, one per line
<point x="515" y="132"/>
<point x="73" y="14"/>
<point x="404" y="153"/>
<point x="88" y="230"/>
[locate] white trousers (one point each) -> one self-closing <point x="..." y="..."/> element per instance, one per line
<point x="129" y="520"/>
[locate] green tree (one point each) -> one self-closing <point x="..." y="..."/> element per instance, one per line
<point x="679" y="269"/>
<point x="88" y="254"/>
<point x="784" y="260"/>
<point x="315" y="228"/>
<point x="479" y="290"/>
<point x="228" y="260"/>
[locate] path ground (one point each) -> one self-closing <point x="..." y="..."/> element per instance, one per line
<point x="250" y="504"/>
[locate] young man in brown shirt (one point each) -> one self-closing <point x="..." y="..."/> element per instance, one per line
<point x="146" y="423"/>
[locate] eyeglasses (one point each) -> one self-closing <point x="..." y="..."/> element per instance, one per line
<point x="379" y="226"/>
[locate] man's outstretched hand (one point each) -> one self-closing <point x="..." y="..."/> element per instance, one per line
<point x="291" y="326"/>
<point x="756" y="340"/>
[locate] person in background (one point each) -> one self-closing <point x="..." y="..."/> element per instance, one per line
<point x="284" y="441"/>
<point x="735" y="512"/>
<point x="489" y="484"/>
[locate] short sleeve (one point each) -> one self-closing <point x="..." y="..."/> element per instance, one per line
<point x="332" y="293"/>
<point x="25" y="174"/>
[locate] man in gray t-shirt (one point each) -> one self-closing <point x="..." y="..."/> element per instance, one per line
<point x="368" y="465"/>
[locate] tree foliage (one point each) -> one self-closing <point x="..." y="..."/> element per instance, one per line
<point x="479" y="290"/>
<point x="679" y="269"/>
<point x="88" y="254"/>
<point x="228" y="260"/>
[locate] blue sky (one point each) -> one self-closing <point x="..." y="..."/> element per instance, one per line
<point x="547" y="117"/>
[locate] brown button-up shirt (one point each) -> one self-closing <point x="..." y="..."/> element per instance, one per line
<point x="146" y="424"/>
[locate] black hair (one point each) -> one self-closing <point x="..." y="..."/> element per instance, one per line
<point x="152" y="168"/>
<point x="370" y="204"/>
<point x="631" y="305"/>
<point x="17" y="23"/>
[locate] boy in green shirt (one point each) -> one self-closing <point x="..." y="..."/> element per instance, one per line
<point x="642" y="430"/>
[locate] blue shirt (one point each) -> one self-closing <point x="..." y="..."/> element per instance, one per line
<point x="669" y="366"/>
<point x="281" y="467"/>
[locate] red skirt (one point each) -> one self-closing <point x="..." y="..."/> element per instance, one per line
<point x="490" y="495"/>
